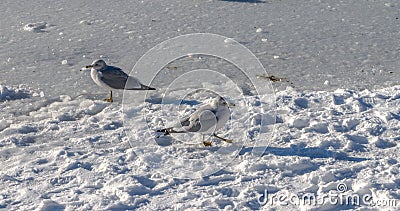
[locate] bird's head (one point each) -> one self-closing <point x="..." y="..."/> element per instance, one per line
<point x="97" y="64"/>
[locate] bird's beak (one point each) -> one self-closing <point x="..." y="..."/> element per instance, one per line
<point x="231" y="105"/>
<point x="86" y="67"/>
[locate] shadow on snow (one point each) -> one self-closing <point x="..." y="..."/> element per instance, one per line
<point x="312" y="152"/>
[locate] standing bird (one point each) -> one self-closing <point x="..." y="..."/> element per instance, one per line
<point x="208" y="118"/>
<point x="114" y="78"/>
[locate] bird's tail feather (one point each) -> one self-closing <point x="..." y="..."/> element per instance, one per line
<point x="144" y="87"/>
<point x="165" y="131"/>
<point x="168" y="131"/>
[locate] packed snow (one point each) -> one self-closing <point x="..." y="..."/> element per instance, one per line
<point x="323" y="135"/>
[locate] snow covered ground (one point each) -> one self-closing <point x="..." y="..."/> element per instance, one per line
<point x="330" y="134"/>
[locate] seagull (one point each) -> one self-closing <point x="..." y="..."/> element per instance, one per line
<point x="113" y="78"/>
<point x="208" y="118"/>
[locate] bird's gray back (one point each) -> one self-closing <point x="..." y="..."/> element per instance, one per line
<point x="114" y="77"/>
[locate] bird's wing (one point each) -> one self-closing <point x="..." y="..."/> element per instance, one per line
<point x="206" y="112"/>
<point x="202" y="120"/>
<point x="133" y="83"/>
<point x="206" y="121"/>
<point x="114" y="77"/>
<point x="182" y="122"/>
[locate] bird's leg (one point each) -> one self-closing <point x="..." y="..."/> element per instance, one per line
<point x="110" y="100"/>
<point x="223" y="139"/>
<point x="206" y="143"/>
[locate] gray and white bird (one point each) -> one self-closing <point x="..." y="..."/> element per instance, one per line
<point x="114" y="78"/>
<point x="208" y="118"/>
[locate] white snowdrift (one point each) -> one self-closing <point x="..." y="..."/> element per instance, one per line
<point x="7" y="93"/>
<point x="74" y="154"/>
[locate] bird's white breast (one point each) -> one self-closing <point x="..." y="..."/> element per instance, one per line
<point x="96" y="76"/>
<point x="223" y="115"/>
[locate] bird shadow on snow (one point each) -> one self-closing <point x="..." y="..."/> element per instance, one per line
<point x="312" y="152"/>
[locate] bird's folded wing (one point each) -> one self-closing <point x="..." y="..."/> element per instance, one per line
<point x="184" y="122"/>
<point x="205" y="113"/>
<point x="202" y="124"/>
<point x="115" y="78"/>
<point x="133" y="83"/>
